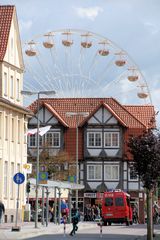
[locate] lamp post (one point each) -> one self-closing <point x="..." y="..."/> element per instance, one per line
<point x="30" y="93"/>
<point x="77" y="114"/>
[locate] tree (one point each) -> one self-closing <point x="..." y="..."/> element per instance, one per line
<point x="59" y="165"/>
<point x="146" y="164"/>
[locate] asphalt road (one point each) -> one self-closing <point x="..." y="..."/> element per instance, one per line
<point x="114" y="232"/>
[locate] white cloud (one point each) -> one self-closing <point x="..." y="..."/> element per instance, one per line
<point x="152" y="27"/>
<point x="25" y="25"/>
<point x="90" y="12"/>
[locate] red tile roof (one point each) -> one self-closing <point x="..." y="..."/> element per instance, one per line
<point x="145" y="114"/>
<point x="127" y="115"/>
<point x="6" y="14"/>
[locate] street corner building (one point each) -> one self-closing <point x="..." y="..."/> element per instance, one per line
<point x="13" y="116"/>
<point x="104" y="162"/>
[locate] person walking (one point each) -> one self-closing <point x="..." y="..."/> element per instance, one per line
<point x="2" y="210"/>
<point x="75" y="220"/>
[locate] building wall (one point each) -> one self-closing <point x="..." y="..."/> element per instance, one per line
<point x="12" y="66"/>
<point x="13" y="125"/>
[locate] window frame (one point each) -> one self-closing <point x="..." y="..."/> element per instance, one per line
<point x="132" y="179"/>
<point x="111" y="133"/>
<point x="94" y="166"/>
<point x="5" y="84"/>
<point x="18" y="89"/>
<point x="12" y="86"/>
<point x="94" y="139"/>
<point x="43" y="140"/>
<point x="111" y="171"/>
<point x="52" y="139"/>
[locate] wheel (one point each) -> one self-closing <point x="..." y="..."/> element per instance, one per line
<point x="105" y="223"/>
<point x="109" y="223"/>
<point x="78" y="63"/>
<point x="127" y="223"/>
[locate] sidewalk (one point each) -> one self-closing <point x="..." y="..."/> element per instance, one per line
<point x="29" y="230"/>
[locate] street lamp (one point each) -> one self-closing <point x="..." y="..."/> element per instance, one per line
<point x="30" y="93"/>
<point x="77" y="114"/>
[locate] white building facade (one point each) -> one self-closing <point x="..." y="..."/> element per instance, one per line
<point x="13" y="117"/>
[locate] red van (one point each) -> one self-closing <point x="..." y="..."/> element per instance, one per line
<point x="116" y="208"/>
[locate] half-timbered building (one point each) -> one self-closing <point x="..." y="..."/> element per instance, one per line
<point x="103" y="132"/>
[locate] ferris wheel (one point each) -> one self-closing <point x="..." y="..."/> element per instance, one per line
<point x="78" y="63"/>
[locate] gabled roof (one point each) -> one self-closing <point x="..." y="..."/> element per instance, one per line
<point x="127" y="118"/>
<point x="145" y="114"/>
<point x="108" y="108"/>
<point x="53" y="111"/>
<point x="6" y="14"/>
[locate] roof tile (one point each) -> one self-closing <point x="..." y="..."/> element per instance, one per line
<point x="6" y="14"/>
<point x="129" y="115"/>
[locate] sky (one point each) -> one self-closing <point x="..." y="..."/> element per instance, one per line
<point x="133" y="25"/>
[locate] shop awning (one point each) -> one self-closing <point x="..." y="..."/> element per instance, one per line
<point x="58" y="184"/>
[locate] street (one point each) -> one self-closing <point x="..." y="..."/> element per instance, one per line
<point x="115" y="232"/>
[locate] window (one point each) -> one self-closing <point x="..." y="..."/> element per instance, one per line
<point x="11" y="179"/>
<point x="53" y="139"/>
<point x="12" y="46"/>
<point x="32" y="140"/>
<point x="17" y="89"/>
<point x="94" y="139"/>
<point x="94" y="172"/>
<point x="119" y="201"/>
<point x="108" y="202"/>
<point x="25" y="132"/>
<point x="132" y="174"/>
<point x="5" y="84"/>
<point x="19" y="131"/>
<point x="18" y="167"/>
<point x="111" y="139"/>
<point x="40" y="140"/>
<point x="6" y="127"/>
<point x="5" y="178"/>
<point x="12" y="87"/>
<point x="111" y="172"/>
<point x="12" y="130"/>
<point x="56" y="139"/>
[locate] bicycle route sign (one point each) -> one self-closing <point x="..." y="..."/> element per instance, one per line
<point x="19" y="178"/>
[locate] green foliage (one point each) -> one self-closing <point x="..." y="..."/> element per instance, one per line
<point x="146" y="154"/>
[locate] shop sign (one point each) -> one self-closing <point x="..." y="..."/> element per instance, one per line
<point x="90" y="195"/>
<point x="99" y="195"/>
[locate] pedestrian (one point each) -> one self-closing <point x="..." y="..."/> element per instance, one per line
<point x="75" y="220"/>
<point x="2" y="210"/>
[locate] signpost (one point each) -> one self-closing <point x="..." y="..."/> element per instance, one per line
<point x="18" y="179"/>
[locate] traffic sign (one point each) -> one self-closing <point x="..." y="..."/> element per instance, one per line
<point x="72" y="179"/>
<point x="19" y="178"/>
<point x="27" y="167"/>
<point x="43" y="177"/>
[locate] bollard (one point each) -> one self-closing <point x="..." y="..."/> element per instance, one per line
<point x="100" y="224"/>
<point x="64" y="222"/>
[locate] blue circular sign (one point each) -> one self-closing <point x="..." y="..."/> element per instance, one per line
<point x="19" y="178"/>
